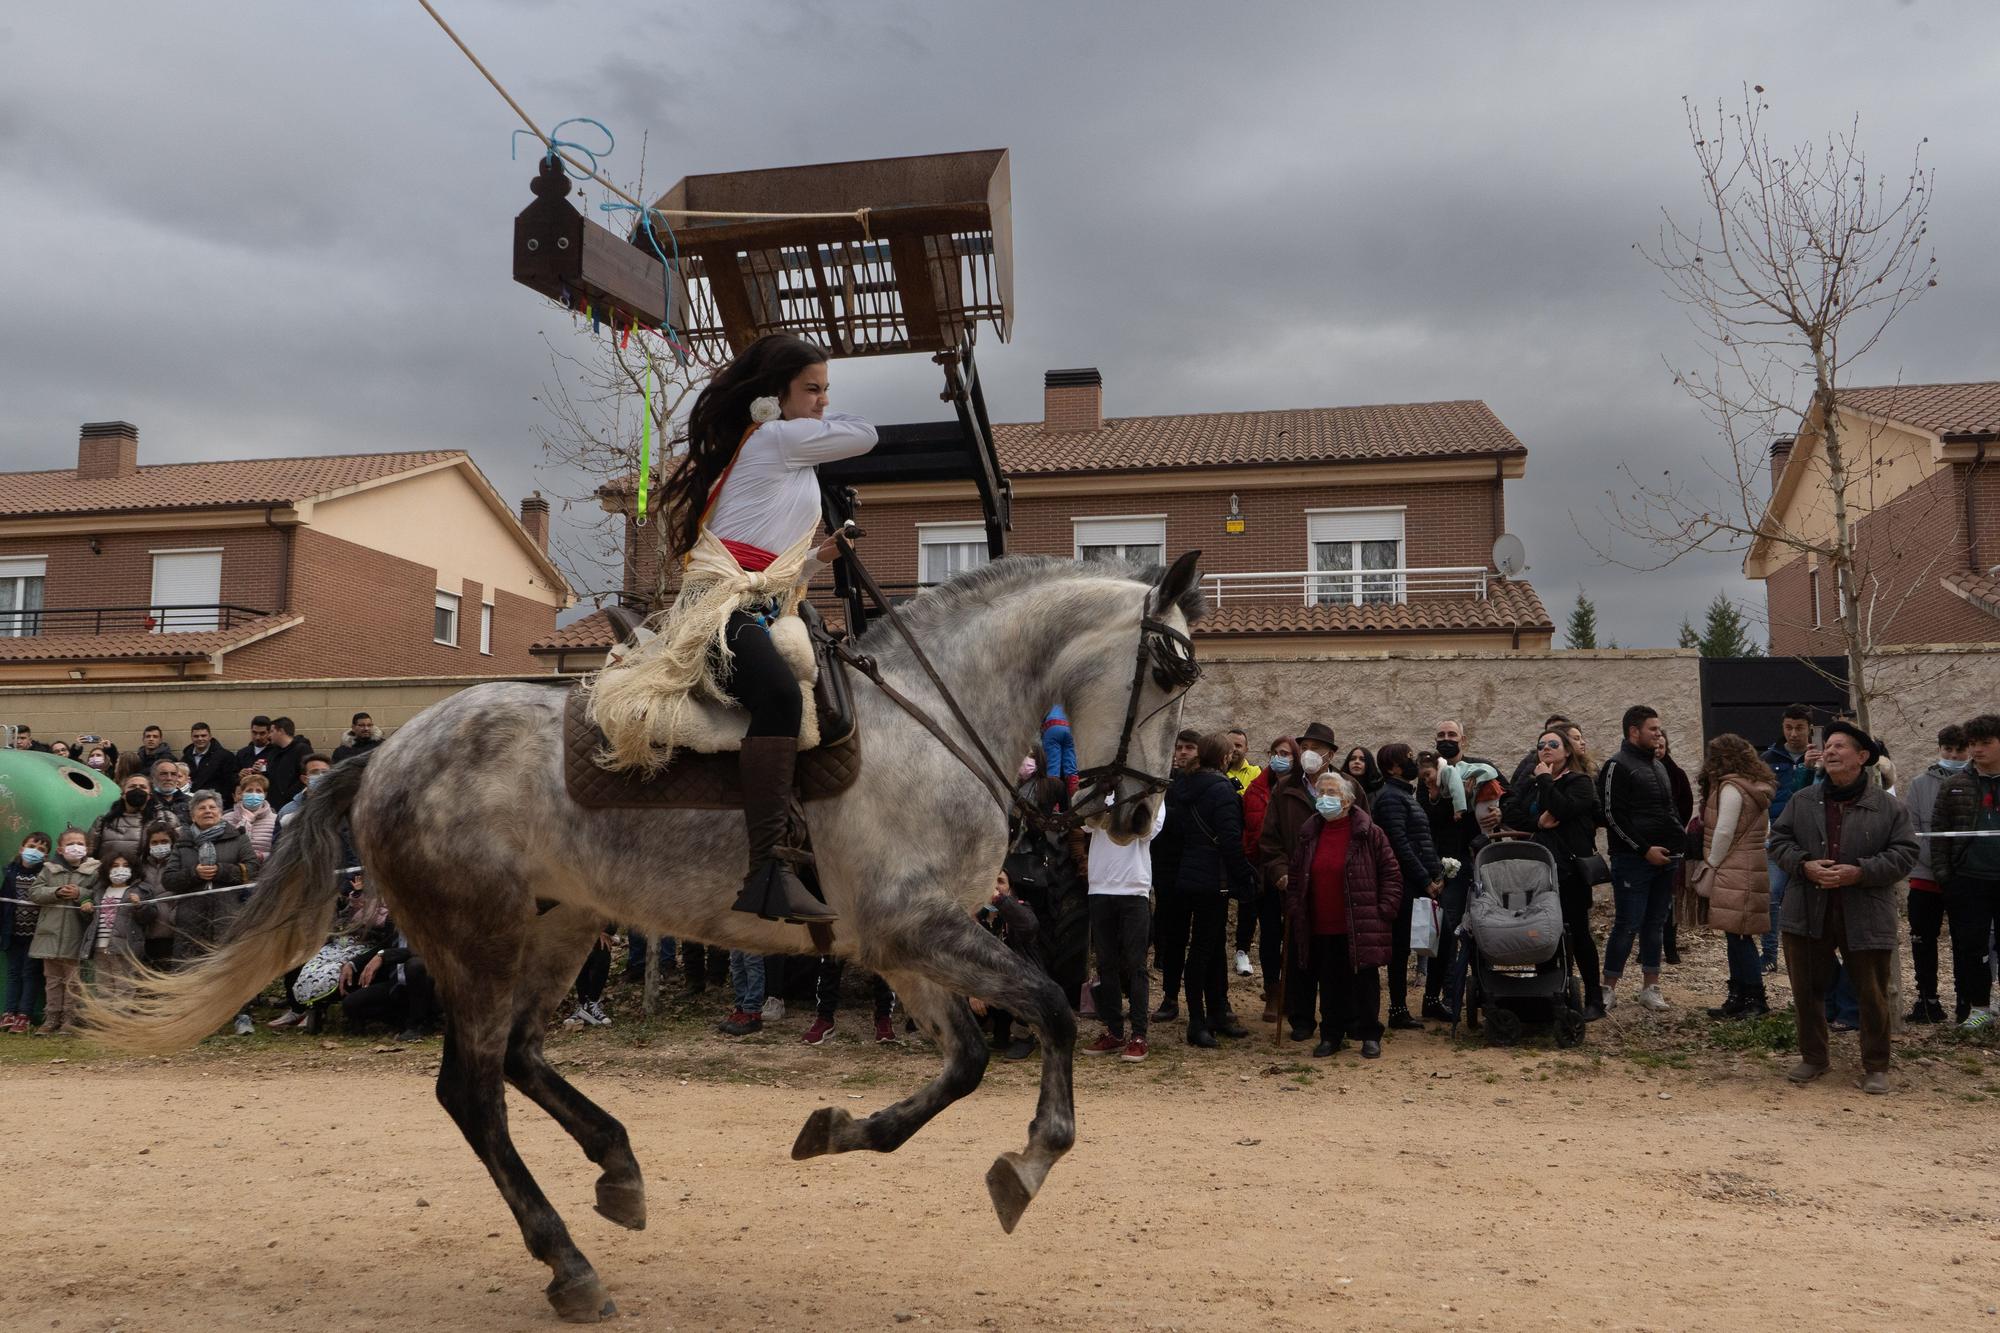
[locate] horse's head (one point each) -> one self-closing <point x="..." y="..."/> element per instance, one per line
<point x="1125" y="715"/>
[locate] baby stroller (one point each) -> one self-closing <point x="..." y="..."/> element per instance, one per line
<point x="1519" y="969"/>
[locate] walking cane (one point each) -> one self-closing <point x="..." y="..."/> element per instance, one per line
<point x="1278" y="1033"/>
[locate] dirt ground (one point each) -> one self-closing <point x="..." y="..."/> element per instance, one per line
<point x="1652" y="1179"/>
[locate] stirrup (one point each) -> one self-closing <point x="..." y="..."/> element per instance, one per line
<point x="773" y="892"/>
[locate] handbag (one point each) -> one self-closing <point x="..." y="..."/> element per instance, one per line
<point x="1594" y="869"/>
<point x="1424" y="922"/>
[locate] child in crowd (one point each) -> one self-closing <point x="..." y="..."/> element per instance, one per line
<point x="17" y="931"/>
<point x="122" y="917"/>
<point x="63" y="932"/>
<point x="152" y="870"/>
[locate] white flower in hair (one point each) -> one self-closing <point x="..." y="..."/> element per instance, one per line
<point x="763" y="410"/>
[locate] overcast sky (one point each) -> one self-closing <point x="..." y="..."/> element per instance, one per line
<point x="273" y="228"/>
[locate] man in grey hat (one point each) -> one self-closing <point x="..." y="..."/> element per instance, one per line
<point x="1845" y="844"/>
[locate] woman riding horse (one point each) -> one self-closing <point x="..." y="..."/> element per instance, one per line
<point x="743" y="510"/>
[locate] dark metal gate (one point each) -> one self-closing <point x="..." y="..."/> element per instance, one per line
<point x="1749" y="695"/>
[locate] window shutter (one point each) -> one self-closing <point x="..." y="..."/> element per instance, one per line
<point x="1356" y="525"/>
<point x="187" y="579"/>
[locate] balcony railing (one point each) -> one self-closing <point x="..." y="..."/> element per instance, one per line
<point x="126" y="619"/>
<point x="1359" y="587"/>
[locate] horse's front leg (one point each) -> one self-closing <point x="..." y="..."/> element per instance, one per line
<point x="1015" y="1177"/>
<point x="946" y="1019"/>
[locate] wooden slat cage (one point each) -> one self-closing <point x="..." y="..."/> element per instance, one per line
<point x="931" y="258"/>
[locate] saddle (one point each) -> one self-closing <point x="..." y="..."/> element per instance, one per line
<point x="698" y="780"/>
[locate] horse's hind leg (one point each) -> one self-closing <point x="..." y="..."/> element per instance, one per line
<point x="555" y="950"/>
<point x="470" y="1089"/>
<point x="948" y="1021"/>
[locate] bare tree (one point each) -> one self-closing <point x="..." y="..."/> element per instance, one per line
<point x="597" y="400"/>
<point x="1796" y="266"/>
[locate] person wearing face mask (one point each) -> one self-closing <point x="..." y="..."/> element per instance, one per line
<point x="1454" y="794"/>
<point x="1263" y="919"/>
<point x="118" y="942"/>
<point x="63" y="931"/>
<point x="1968" y="868"/>
<point x="1343" y="894"/>
<point x="253" y="814"/>
<point x="17" y="931"/>
<point x="121" y="830"/>
<point x="1400" y="817"/>
<point x="152" y="868"/>
<point x="95" y="757"/>
<point x="1925" y="906"/>
<point x="1289" y="807"/>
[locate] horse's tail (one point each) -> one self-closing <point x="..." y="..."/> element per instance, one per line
<point x="285" y="922"/>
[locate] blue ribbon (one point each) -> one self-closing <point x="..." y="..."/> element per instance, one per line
<point x="667" y="266"/>
<point x="556" y="141"/>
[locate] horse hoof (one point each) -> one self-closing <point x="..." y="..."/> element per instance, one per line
<point x="580" y="1300"/>
<point x="1011" y="1188"/>
<point x="622" y="1203"/>
<point x="816" y="1137"/>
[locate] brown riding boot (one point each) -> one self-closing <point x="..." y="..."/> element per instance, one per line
<point x="771" y="890"/>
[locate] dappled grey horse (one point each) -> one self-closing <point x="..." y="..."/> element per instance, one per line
<point x="465" y="826"/>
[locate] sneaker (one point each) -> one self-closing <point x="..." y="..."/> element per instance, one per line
<point x="243" y="1026"/>
<point x="1134" y="1052"/>
<point x="578" y="1019"/>
<point x="291" y="1018"/>
<point x="1435" y="1011"/>
<point x="740" y="1024"/>
<point x="1106" y="1044"/>
<point x="593" y="1014"/>
<point x="1649" y="998"/>
<point x="1242" y="963"/>
<point x="817" y="1034"/>
<point x="1770" y="967"/>
<point x="1976" y="1020"/>
<point x="885" y="1032"/>
<point x="774" y="1010"/>
<point x="1401" y="1020"/>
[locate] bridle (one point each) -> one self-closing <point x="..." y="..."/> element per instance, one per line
<point x="1168" y="651"/>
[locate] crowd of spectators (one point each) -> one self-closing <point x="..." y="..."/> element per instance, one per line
<point x="1324" y="857"/>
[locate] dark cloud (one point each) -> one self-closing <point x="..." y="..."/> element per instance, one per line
<point x="270" y="229"/>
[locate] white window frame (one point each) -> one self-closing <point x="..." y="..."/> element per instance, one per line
<point x="446" y="601"/>
<point x="486" y="629"/>
<point x="1126" y="532"/>
<point x="950" y="534"/>
<point x="1362" y="524"/>
<point x="161" y="624"/>
<point x="23" y="620"/>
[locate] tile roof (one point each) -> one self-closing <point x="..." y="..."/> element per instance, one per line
<point x="594" y="632"/>
<point x="1508" y="605"/>
<point x="214" y="484"/>
<point x="1942" y="409"/>
<point x="1981" y="590"/>
<point x="1389" y="431"/>
<point x="140" y="646"/>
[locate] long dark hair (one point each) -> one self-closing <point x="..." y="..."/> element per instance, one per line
<point x="1729" y="755"/>
<point x="721" y="414"/>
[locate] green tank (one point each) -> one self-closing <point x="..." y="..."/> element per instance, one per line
<point x="41" y="792"/>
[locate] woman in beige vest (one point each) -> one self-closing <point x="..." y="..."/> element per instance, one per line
<point x="1736" y="791"/>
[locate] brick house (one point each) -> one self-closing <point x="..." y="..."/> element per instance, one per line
<point x="1321" y="529"/>
<point x="361" y="565"/>
<point x="1925" y="503"/>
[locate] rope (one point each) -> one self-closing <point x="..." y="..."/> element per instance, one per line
<point x="342" y="873"/>
<point x="582" y="172"/>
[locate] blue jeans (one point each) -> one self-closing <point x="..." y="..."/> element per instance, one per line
<point x="746" y="979"/>
<point x="24" y="977"/>
<point x="1746" y="969"/>
<point x="1642" y="894"/>
<point x="1778" y="881"/>
<point x="1058" y="752"/>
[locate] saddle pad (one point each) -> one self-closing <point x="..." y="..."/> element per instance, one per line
<point x="692" y="781"/>
<point x="717" y="728"/>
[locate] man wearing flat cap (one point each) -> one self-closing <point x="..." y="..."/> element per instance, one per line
<point x="1845" y="844"/>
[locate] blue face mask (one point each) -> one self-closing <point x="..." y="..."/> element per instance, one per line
<point x="32" y="856"/>
<point x="1953" y="765"/>
<point x="253" y="800"/>
<point x="1281" y="763"/>
<point x="1328" y="806"/>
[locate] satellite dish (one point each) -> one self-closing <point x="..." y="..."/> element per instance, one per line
<point x="1509" y="556"/>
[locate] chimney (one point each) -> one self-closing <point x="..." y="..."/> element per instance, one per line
<point x="1073" y="399"/>
<point x="1781" y="452"/>
<point x="535" y="518"/>
<point x="107" y="449"/>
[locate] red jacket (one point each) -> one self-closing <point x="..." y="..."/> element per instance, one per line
<point x="1256" y="799"/>
<point x="1374" y="891"/>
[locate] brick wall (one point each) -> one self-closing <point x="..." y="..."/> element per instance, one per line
<point x="1902" y="551"/>
<point x="120" y="573"/>
<point x="372" y="614"/>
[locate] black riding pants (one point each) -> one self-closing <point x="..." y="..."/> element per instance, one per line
<point x="1926" y="912"/>
<point x="760" y="679"/>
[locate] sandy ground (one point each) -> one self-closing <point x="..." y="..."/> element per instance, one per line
<point x="317" y="1184"/>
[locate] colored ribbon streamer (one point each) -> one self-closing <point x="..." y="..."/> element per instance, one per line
<point x="556" y="142"/>
<point x="645" y="438"/>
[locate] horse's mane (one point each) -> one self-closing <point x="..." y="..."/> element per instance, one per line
<point x="989" y="582"/>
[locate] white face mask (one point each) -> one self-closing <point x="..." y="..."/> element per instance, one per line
<point x="121" y="875"/>
<point x="158" y="851"/>
<point x="72" y="852"/>
<point x="1312" y="761"/>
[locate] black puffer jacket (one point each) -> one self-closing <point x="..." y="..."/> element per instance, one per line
<point x="1403" y="819"/>
<point x="1572" y="799"/>
<point x="1204" y="831"/>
